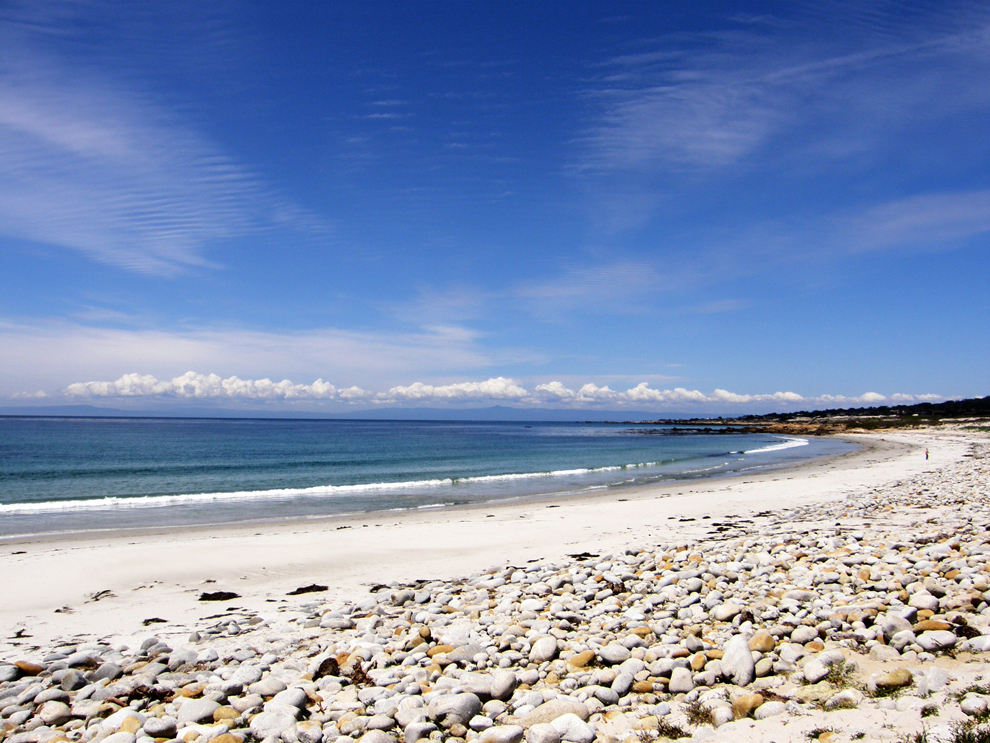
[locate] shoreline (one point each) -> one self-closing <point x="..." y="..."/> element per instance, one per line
<point x="843" y="599"/>
<point x="590" y="492"/>
<point x="145" y="569"/>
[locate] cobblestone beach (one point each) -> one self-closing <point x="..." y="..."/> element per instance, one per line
<point x="865" y="617"/>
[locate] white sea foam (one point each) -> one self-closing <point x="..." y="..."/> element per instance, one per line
<point x="192" y="499"/>
<point x="785" y="444"/>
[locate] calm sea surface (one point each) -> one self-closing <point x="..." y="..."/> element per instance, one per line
<point x="72" y="474"/>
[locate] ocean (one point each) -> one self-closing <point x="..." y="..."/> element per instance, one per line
<point x="83" y="474"/>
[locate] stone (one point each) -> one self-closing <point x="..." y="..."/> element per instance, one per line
<point x="197" y="710"/>
<point x="803" y="634"/>
<point x="550" y="711"/>
<point x="291" y="698"/>
<point x="891" y="624"/>
<point x="54" y="713"/>
<point x="896" y="679"/>
<point x="973" y="704"/>
<point x="160" y="727"/>
<point x="573" y="729"/>
<point x="682" y="680"/>
<point x="923" y="600"/>
<point x="268" y="686"/>
<point x="416" y="730"/>
<point x="814" y="671"/>
<point x="501" y="734"/>
<point x="725" y="612"/>
<point x="109" y="671"/>
<point x="883" y="652"/>
<point x="580" y="660"/>
<point x="271" y="723"/>
<point x="721" y="715"/>
<point x="377" y="736"/>
<point x="845" y="699"/>
<point x="73" y="680"/>
<point x="762" y="642"/>
<point x="453" y="709"/>
<point x="503" y="684"/>
<point x="737" y="661"/>
<point x="543" y="649"/>
<point x="936" y="640"/>
<point x="743" y="705"/>
<point x="769" y="709"/>
<point x="119" y="738"/>
<point x="26" y="668"/>
<point x="543" y="733"/>
<point x="614" y="653"/>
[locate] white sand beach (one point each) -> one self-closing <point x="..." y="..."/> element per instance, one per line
<point x="161" y="574"/>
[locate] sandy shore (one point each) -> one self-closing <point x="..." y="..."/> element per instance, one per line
<point x="49" y="582"/>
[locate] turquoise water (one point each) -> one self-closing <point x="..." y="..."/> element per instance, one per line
<point x="71" y="474"/>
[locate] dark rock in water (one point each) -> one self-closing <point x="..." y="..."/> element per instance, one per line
<point x="312" y="588"/>
<point x="219" y="596"/>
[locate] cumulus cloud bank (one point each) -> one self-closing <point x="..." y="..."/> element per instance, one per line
<point x="192" y="386"/>
<point x="203" y="386"/>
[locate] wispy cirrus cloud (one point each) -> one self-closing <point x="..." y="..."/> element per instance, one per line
<point x="707" y="102"/>
<point x="90" y="162"/>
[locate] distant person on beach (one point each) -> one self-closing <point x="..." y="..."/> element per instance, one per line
<point x="926" y="455"/>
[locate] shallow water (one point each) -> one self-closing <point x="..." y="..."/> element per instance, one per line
<point x="70" y="474"/>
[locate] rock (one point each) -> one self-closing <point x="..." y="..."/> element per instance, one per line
<point x="891" y="624"/>
<point x="803" y="634"/>
<point x="582" y="659"/>
<point x="417" y="730"/>
<point x="725" y="612"/>
<point x="272" y="723"/>
<point x="269" y="686"/>
<point x="377" y="736"/>
<point x="573" y="729"/>
<point x="9" y="673"/>
<point x="550" y="711"/>
<point x="109" y="671"/>
<point x="980" y="644"/>
<point x="119" y="738"/>
<point x="721" y="715"/>
<point x="845" y="699"/>
<point x="291" y="698"/>
<point x="181" y="657"/>
<point x="802" y="597"/>
<point x="247" y="674"/>
<point x="896" y="679"/>
<point x="453" y="709"/>
<point x="543" y="649"/>
<point x="501" y="734"/>
<point x="923" y="600"/>
<point x="742" y="706"/>
<point x="380" y="722"/>
<point x="73" y="680"/>
<point x="882" y="652"/>
<point x="737" y="661"/>
<point x="936" y="640"/>
<point x="160" y="727"/>
<point x="197" y="710"/>
<point x="769" y="709"/>
<point x="973" y="704"/>
<point x="54" y="713"/>
<point x="614" y="653"/>
<point x="307" y="731"/>
<point x="543" y="733"/>
<point x="762" y="642"/>
<point x="503" y="684"/>
<point x="814" y="671"/>
<point x="764" y="667"/>
<point x="682" y="680"/>
<point x="26" y="668"/>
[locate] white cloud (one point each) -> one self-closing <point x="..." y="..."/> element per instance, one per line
<point x="39" y="395"/>
<point x="195" y="386"/>
<point x="491" y="389"/>
<point x="211" y="386"/>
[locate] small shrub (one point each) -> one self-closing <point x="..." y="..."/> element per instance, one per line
<point x="697" y="713"/>
<point x="816" y="733"/>
<point x="670" y="731"/>
<point x="929" y="710"/>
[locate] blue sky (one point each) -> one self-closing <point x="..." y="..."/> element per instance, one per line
<point x="679" y="207"/>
